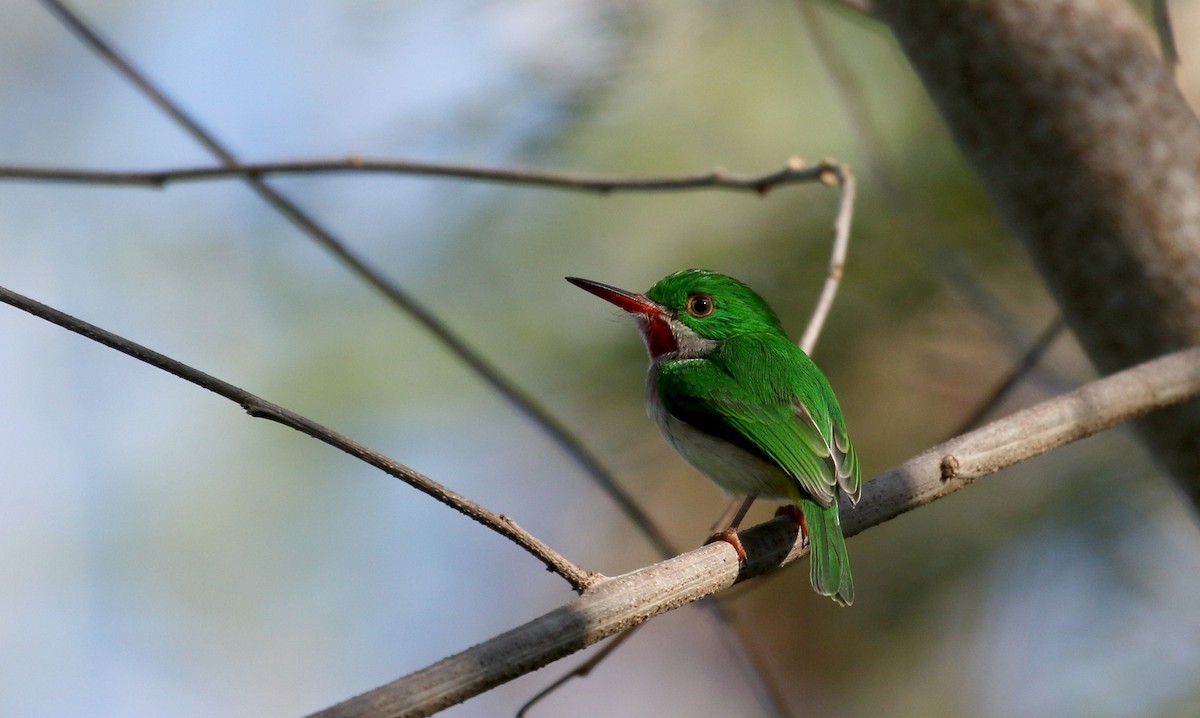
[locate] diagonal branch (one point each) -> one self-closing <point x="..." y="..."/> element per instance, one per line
<point x="258" y="407"/>
<point x="616" y="604"/>
<point x="456" y="345"/>
<point x="1028" y="360"/>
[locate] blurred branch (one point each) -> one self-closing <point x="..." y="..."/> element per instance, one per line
<point x="795" y="171"/>
<point x="1166" y="33"/>
<point x="263" y="409"/>
<point x="616" y="604"/>
<point x="850" y="96"/>
<point x="1028" y="361"/>
<point x="456" y="345"/>
<point x="1048" y="102"/>
<point x="580" y="671"/>
<point x="865" y="7"/>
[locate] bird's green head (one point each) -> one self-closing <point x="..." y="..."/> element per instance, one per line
<point x="713" y="305"/>
<point x="689" y="312"/>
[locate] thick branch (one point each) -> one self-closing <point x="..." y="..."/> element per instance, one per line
<point x="1092" y="157"/>
<point x="619" y="603"/>
<point x="263" y="409"/>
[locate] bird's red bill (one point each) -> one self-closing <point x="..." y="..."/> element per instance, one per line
<point x="652" y="317"/>
<point x="629" y="301"/>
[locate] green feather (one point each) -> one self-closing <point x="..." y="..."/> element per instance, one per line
<point x="762" y="394"/>
<point x="829" y="562"/>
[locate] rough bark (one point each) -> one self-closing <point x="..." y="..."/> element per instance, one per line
<point x="1092" y="157"/>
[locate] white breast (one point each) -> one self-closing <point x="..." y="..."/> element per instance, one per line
<point x="733" y="469"/>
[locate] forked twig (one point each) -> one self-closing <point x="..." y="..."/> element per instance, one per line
<point x="258" y="407"/>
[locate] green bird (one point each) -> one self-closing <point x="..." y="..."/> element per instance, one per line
<point x="747" y="407"/>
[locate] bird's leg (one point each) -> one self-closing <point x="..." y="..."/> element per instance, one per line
<point x="797" y="515"/>
<point x="726" y="527"/>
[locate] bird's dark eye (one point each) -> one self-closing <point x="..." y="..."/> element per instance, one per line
<point x="700" y="305"/>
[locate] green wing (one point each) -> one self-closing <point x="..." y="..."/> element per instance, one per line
<point x="777" y="405"/>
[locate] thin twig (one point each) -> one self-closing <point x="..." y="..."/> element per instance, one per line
<point x="1028" y="361"/>
<point x="580" y="671"/>
<point x="841" y="176"/>
<point x="516" y="396"/>
<point x="257" y="407"/>
<point x="794" y="172"/>
<point x="616" y="604"/>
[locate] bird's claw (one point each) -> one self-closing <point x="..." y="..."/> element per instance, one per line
<point x="793" y="511"/>
<point x="730" y="536"/>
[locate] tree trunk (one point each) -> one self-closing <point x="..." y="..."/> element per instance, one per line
<point x="1092" y="157"/>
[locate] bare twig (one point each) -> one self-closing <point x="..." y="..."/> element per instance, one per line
<point x="456" y="345"/>
<point x="619" y="603"/>
<point x="794" y="172"/>
<point x="580" y="671"/>
<point x="843" y="178"/>
<point x="263" y="409"/>
<point x="1028" y="361"/>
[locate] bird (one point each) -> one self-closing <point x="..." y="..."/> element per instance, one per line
<point x="746" y="407"/>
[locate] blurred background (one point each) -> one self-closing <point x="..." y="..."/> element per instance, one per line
<point x="164" y="554"/>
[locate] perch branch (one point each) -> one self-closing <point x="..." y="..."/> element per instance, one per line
<point x="616" y="604"/>
<point x="257" y="407"/>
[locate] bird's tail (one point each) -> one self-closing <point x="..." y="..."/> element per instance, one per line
<point x="827" y="552"/>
